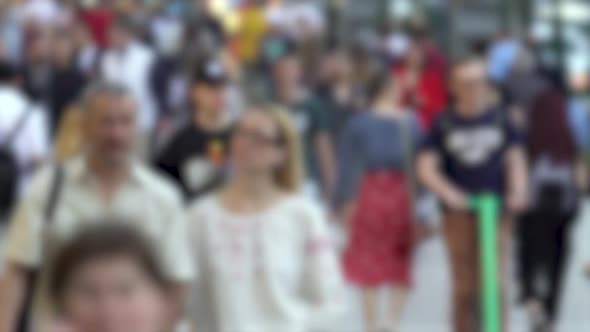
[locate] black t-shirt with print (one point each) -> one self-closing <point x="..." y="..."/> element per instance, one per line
<point x="196" y="159"/>
<point x="472" y="150"/>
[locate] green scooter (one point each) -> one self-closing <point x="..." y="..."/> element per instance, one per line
<point x="487" y="208"/>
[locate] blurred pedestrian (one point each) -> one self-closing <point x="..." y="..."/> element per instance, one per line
<point x="195" y="157"/>
<point x="24" y="144"/>
<point x="423" y="85"/>
<point x="421" y="38"/>
<point x="310" y="119"/>
<point x="263" y="249"/>
<point x="276" y="42"/>
<point x="273" y="46"/>
<point x="12" y="34"/>
<point x="88" y="53"/>
<point x="168" y="80"/>
<point x="380" y="209"/>
<point x="104" y="180"/>
<point x="502" y="55"/>
<point x="130" y="62"/>
<point x="340" y="96"/>
<point x="557" y="178"/>
<point x="37" y="67"/>
<point x="254" y="27"/>
<point x="98" y="18"/>
<point x="67" y="80"/>
<point x="206" y="32"/>
<point x="309" y="38"/>
<point x="109" y="278"/>
<point x="473" y="148"/>
<point x="40" y="13"/>
<point x="137" y="12"/>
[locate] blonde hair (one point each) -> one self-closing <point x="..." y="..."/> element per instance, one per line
<point x="68" y="141"/>
<point x="289" y="176"/>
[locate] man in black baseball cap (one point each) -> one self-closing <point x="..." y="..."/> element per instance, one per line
<point x="196" y="156"/>
<point x="211" y="72"/>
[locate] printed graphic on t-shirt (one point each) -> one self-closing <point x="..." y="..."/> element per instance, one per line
<point x="475" y="146"/>
<point x="197" y="172"/>
<point x="216" y="152"/>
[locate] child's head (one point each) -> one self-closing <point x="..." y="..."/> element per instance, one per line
<point x="109" y="279"/>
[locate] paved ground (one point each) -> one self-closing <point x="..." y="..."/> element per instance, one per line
<point x="428" y="309"/>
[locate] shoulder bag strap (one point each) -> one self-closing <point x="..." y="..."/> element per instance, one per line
<point x="24" y="323"/>
<point x="54" y="193"/>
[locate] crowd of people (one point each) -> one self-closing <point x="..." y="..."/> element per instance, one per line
<point x="163" y="170"/>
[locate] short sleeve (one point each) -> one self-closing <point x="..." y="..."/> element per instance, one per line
<point x="432" y="141"/>
<point x="167" y="160"/>
<point x="514" y="135"/>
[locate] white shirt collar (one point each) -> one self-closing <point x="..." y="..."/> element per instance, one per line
<point x="78" y="171"/>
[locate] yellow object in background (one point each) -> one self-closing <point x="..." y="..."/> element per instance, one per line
<point x="253" y="28"/>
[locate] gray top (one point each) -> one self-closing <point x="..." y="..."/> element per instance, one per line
<point x="373" y="142"/>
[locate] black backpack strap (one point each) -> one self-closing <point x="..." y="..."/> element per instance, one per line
<point x="20" y="124"/>
<point x="54" y="193"/>
<point x="24" y="320"/>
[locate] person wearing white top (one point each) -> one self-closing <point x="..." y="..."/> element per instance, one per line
<point x="43" y="12"/>
<point x="30" y="144"/>
<point x="264" y="258"/>
<point x="105" y="180"/>
<point x="130" y="63"/>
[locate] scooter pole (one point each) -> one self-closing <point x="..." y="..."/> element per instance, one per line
<point x="487" y="207"/>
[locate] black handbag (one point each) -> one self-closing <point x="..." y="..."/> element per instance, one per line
<point x="24" y="320"/>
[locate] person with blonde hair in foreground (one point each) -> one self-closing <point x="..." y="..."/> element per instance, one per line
<point x="263" y="252"/>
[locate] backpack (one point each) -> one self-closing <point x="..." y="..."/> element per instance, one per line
<point x="9" y="168"/>
<point x="553" y="186"/>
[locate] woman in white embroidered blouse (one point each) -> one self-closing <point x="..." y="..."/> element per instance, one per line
<point x="265" y="262"/>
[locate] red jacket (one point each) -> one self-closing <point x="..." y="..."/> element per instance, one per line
<point x="430" y="97"/>
<point x="99" y="22"/>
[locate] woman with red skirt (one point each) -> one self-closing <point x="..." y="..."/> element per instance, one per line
<point x="374" y="185"/>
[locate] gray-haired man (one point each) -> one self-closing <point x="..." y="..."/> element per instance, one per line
<point x="103" y="180"/>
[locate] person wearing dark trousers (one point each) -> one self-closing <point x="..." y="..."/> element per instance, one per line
<point x="67" y="81"/>
<point x="544" y="230"/>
